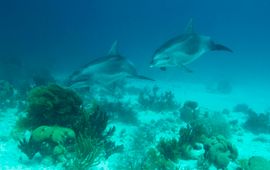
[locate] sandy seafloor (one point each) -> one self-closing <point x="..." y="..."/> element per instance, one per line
<point x="12" y="158"/>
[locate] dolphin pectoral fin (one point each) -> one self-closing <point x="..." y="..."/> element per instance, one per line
<point x="186" y="68"/>
<point x="140" y="77"/>
<point x="144" y="78"/>
<point x="219" y="47"/>
<point x="163" y="68"/>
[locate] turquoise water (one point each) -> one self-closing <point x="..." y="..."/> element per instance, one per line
<point x="43" y="43"/>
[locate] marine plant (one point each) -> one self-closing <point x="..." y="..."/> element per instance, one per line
<point x="192" y="133"/>
<point x="181" y="148"/>
<point x="154" y="100"/>
<point x="94" y="124"/>
<point x="169" y="148"/>
<point x="52" y="105"/>
<point x="189" y="111"/>
<point x="216" y="124"/>
<point x="258" y="123"/>
<point x="213" y="123"/>
<point x="120" y="111"/>
<point x="255" y="122"/>
<point x="88" y="153"/>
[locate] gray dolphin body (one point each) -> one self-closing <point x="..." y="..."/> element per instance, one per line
<point x="104" y="71"/>
<point x="184" y="49"/>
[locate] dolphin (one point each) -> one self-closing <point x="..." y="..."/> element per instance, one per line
<point x="184" y="49"/>
<point x="104" y="71"/>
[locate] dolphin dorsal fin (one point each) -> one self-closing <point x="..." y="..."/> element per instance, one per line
<point x="114" y="49"/>
<point x="189" y="27"/>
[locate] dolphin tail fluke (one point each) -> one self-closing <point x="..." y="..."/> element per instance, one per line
<point x="219" y="47"/>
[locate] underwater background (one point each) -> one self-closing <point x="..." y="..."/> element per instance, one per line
<point x="74" y="32"/>
<point x="62" y="36"/>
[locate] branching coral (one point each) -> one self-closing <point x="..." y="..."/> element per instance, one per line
<point x="156" y="101"/>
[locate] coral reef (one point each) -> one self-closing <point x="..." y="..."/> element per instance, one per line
<point x="48" y="140"/>
<point x="64" y="130"/>
<point x="156" y="101"/>
<point x="219" y="151"/>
